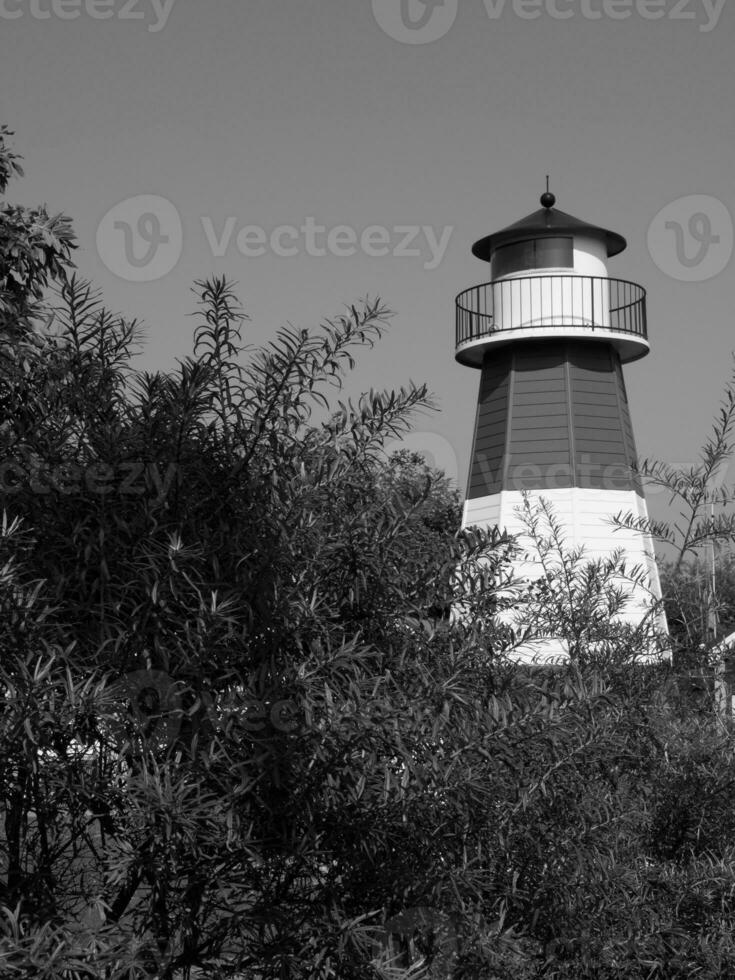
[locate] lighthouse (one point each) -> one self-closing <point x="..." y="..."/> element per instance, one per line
<point x="549" y="333"/>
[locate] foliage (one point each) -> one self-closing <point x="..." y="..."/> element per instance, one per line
<point x="195" y="532"/>
<point x="695" y="491"/>
<point x="35" y="249"/>
<point x="578" y="600"/>
<point x="242" y="739"/>
<point x="694" y="615"/>
<point x="704" y="525"/>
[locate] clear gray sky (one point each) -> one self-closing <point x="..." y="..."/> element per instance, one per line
<point x="327" y="113"/>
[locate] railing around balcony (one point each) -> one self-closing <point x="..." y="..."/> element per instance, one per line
<point x="551" y="301"/>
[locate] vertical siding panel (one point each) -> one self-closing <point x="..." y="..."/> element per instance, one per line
<point x="539" y="436"/>
<point x="488" y="444"/>
<point x="602" y="458"/>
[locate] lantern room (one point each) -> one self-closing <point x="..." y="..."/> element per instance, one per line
<point x="549" y="280"/>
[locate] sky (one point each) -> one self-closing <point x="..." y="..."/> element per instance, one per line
<point x="322" y="151"/>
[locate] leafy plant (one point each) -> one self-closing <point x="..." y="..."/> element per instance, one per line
<point x="241" y="738"/>
<point x="35" y="249"/>
<point x="693" y="489"/>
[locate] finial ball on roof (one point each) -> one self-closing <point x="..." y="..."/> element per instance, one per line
<point x="548" y="200"/>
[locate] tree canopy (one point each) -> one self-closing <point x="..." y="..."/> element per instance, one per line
<point x="241" y="736"/>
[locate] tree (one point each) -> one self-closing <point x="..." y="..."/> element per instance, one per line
<point x="35" y="249"/>
<point x="704" y="521"/>
<point x="579" y="601"/>
<point x="694" y="614"/>
<point x="695" y="491"/>
<point x="191" y="540"/>
<point x="234" y="743"/>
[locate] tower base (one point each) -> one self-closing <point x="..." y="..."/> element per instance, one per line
<point x="584" y="517"/>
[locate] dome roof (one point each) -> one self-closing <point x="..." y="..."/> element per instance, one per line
<point x="547" y="222"/>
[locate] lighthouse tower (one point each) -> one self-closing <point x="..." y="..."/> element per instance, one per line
<point x="549" y="333"/>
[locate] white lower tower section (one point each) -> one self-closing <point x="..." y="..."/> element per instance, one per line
<point x="585" y="518"/>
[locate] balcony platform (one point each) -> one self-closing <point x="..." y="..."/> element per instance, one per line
<point x="549" y="307"/>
